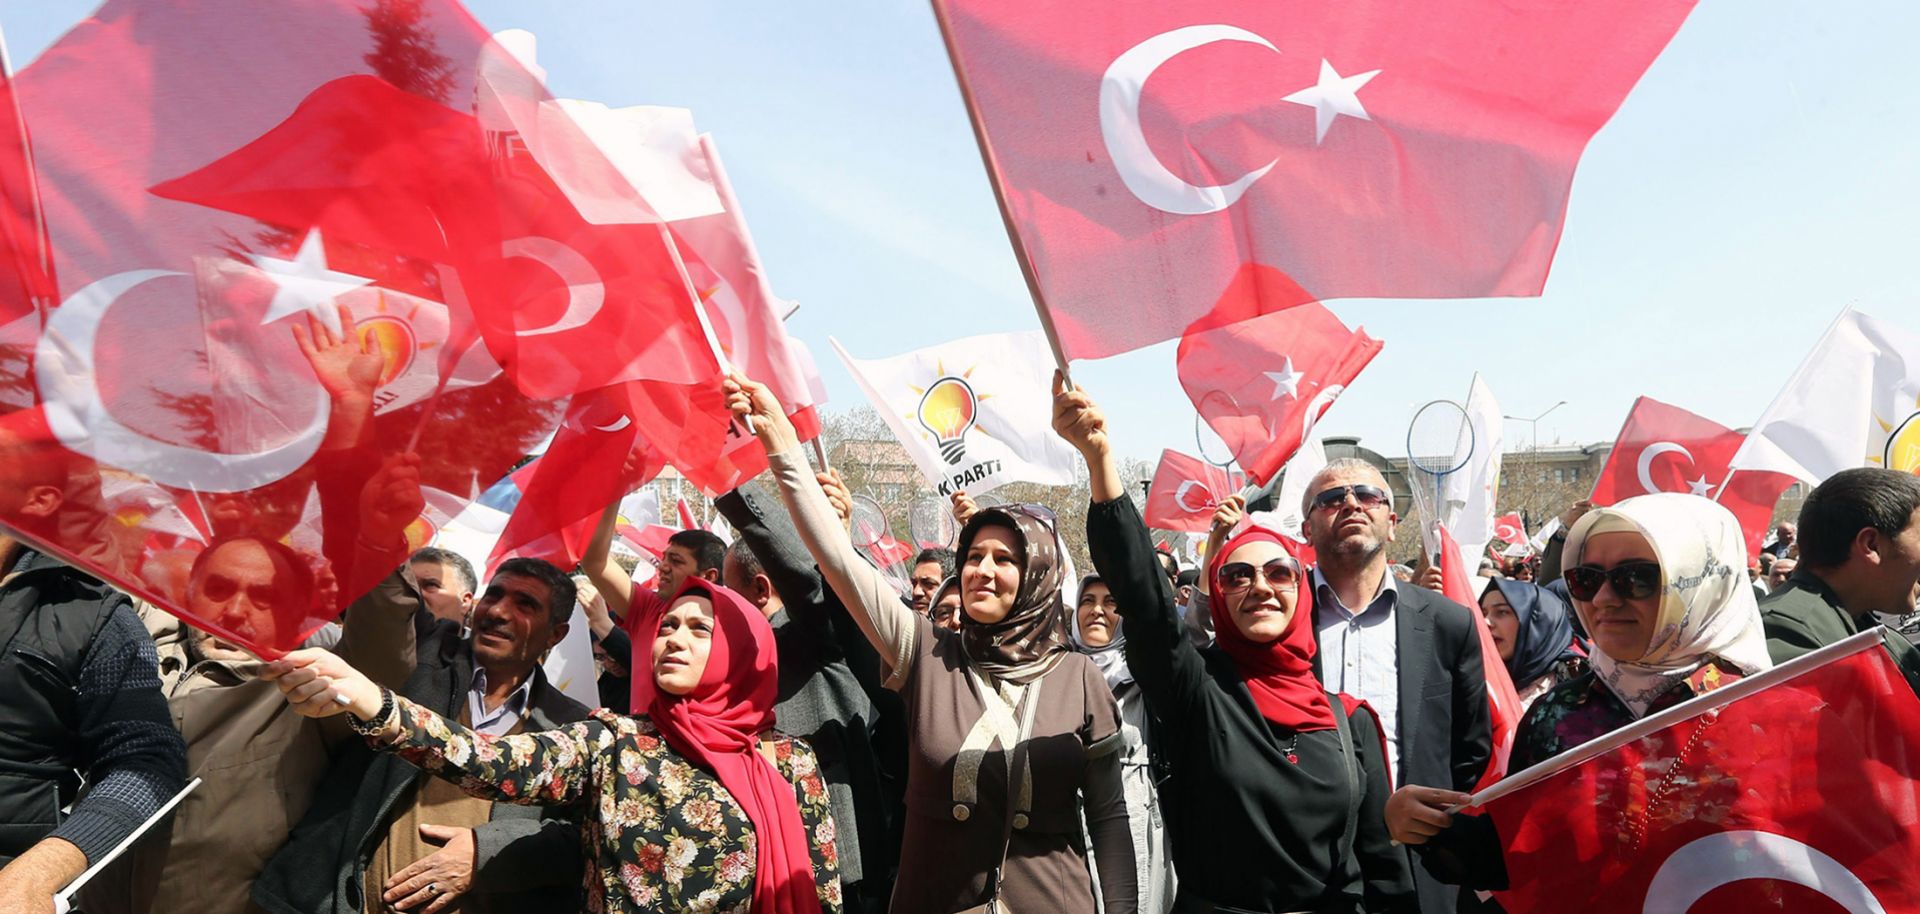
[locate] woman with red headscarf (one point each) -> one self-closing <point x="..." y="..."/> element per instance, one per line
<point x="693" y="804"/>
<point x="1275" y="789"/>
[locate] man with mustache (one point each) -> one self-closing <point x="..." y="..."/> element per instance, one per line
<point x="383" y="836"/>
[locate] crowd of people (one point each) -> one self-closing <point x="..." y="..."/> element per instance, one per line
<point x="780" y="730"/>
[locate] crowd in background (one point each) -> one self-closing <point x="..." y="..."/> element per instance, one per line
<point x="780" y="730"/>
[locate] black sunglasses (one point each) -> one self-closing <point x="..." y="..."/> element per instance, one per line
<point x="1365" y="496"/>
<point x="1632" y="580"/>
<point x="1281" y="574"/>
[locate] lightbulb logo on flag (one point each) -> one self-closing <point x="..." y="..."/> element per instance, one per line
<point x="972" y="429"/>
<point x="948" y="408"/>
<point x="1902" y="448"/>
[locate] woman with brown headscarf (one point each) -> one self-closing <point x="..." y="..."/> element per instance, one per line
<point x="1007" y="694"/>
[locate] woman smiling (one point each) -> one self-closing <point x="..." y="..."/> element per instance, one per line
<point x="1660" y="583"/>
<point x="1275" y="791"/>
<point x="672" y="797"/>
<point x="1012" y="735"/>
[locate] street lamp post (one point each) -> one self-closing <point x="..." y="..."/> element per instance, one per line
<point x="1533" y="432"/>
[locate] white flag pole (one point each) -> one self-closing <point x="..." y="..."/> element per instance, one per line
<point x="63" y="902"/>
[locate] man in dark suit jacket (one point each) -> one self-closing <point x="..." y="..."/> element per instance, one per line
<point x="1859" y="556"/>
<point x="373" y="812"/>
<point x="1409" y="652"/>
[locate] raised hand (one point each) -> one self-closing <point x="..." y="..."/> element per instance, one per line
<point x="1078" y="420"/>
<point x="391" y="500"/>
<point x="756" y="405"/>
<point x="964" y="507"/>
<point x="837" y="495"/>
<point x="348" y="366"/>
<point x="1225" y="517"/>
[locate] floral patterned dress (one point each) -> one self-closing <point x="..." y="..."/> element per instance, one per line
<point x="663" y="834"/>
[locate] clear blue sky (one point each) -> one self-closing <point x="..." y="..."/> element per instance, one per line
<point x="1765" y="173"/>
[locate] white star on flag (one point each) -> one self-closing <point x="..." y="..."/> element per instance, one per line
<point x="305" y="283"/>
<point x="1700" y="486"/>
<point x="1331" y="97"/>
<point x="1286" y="380"/>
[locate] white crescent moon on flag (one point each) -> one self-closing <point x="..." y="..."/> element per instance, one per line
<point x="615" y="425"/>
<point x="1645" y="465"/>
<point x="1708" y="863"/>
<point x="64" y="371"/>
<point x="1187" y="486"/>
<point x="585" y="292"/>
<point x="1139" y="168"/>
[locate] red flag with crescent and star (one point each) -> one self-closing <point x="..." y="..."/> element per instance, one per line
<point x="1145" y="152"/>
<point x="1791" y="790"/>
<point x="596" y="457"/>
<point x="1663" y="448"/>
<point x="212" y="416"/>
<point x="1510" y="528"/>
<point x="1185" y="491"/>
<point x="1262" y="383"/>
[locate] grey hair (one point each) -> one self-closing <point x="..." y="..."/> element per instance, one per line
<point x="1341" y="465"/>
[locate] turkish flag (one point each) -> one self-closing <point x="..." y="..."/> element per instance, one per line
<point x="748" y="319"/>
<point x="1793" y="790"/>
<point x="1664" y="448"/>
<point x="1145" y="152"/>
<point x="1262" y="383"/>
<point x="565" y="305"/>
<point x="1503" y="700"/>
<point x="206" y="459"/>
<point x="595" y="458"/>
<point x="1185" y="492"/>
<point x="1510" y="528"/>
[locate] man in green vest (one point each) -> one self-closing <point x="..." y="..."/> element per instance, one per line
<point x="1859" y="538"/>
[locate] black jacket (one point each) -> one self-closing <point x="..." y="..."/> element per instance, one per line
<point x="529" y="857"/>
<point x="1446" y="733"/>
<point x="1251" y="828"/>
<point x="831" y="694"/>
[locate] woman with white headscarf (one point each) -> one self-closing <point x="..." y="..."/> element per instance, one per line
<point x="1659" y="582"/>
<point x="1097" y="634"/>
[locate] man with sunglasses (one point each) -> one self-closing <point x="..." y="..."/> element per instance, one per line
<point x="1859" y="565"/>
<point x="1410" y="653"/>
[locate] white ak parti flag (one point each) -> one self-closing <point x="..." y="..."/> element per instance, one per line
<point x="975" y="413"/>
<point x="1854" y="402"/>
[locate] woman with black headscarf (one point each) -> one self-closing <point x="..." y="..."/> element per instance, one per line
<point x="1276" y="789"/>
<point x="1097" y="634"/>
<point x="1012" y="734"/>
<point x="1533" y="630"/>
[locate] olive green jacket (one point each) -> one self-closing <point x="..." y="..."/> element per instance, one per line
<point x="1804" y="615"/>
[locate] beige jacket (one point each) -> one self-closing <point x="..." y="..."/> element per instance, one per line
<point x="258" y="761"/>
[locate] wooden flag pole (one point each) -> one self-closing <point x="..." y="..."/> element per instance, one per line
<point x="999" y="195"/>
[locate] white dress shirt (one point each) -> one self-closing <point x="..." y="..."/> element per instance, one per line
<point x="500" y="720"/>
<point x="1360" y="653"/>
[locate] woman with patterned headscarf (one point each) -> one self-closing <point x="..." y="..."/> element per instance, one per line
<point x="1012" y="734"/>
<point x="694" y="804"/>
<point x="1275" y="788"/>
<point x="1660" y="583"/>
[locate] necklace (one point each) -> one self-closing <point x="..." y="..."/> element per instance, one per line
<point x="1293" y="743"/>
